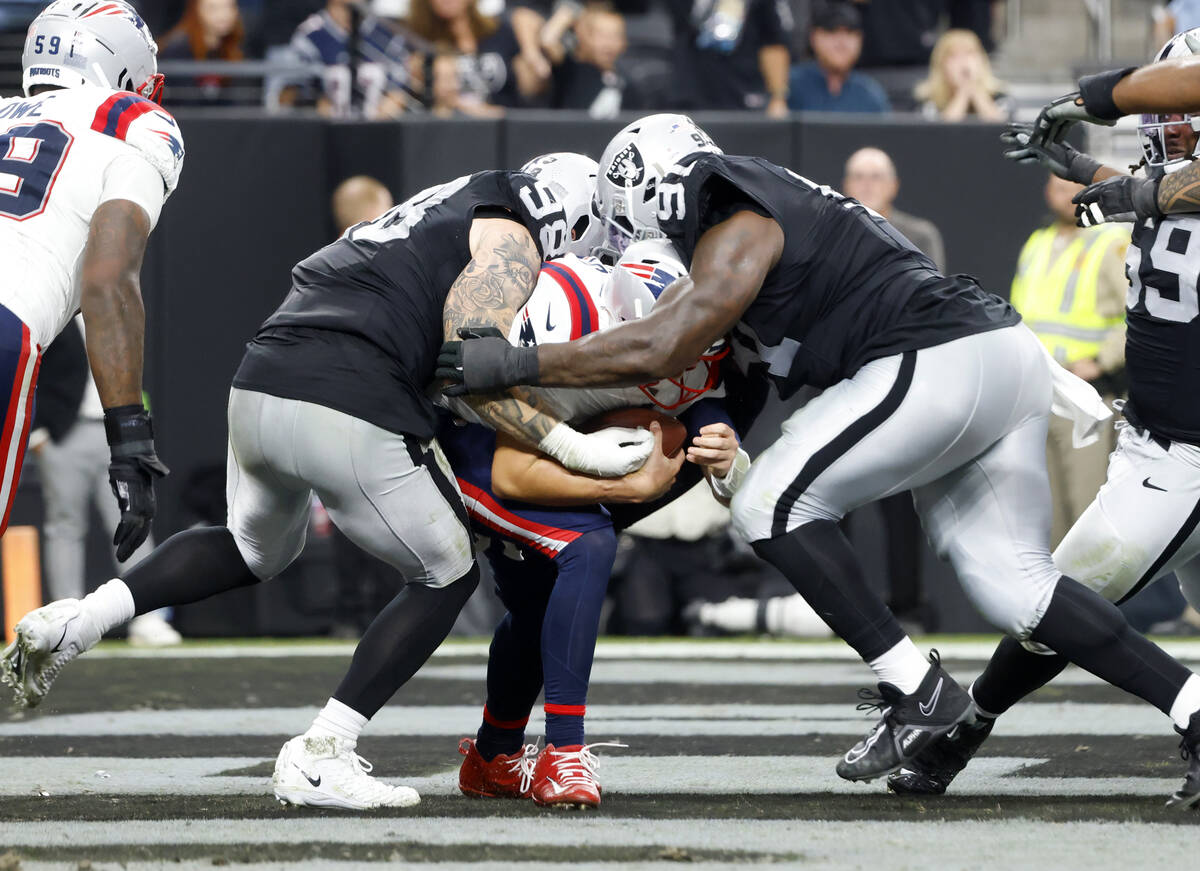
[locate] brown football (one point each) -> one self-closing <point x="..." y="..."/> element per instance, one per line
<point x="674" y="433"/>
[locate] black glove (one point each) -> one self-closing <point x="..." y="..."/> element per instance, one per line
<point x="1058" y="157"/>
<point x="1120" y="198"/>
<point x="131" y="474"/>
<point x="485" y="362"/>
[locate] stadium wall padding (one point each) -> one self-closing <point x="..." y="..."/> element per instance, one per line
<point x="254" y="199"/>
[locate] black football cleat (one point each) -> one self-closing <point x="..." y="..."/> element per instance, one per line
<point x="908" y="725"/>
<point x="935" y="767"/>
<point x="1188" y="796"/>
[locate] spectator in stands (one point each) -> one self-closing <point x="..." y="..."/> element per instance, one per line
<point x="731" y="54"/>
<point x="960" y="82"/>
<point x="209" y="30"/>
<point x="1176" y="17"/>
<point x="899" y="34"/>
<point x="870" y="177"/>
<point x="587" y="77"/>
<point x="492" y="67"/>
<point x="1070" y="289"/>
<point x="380" y="64"/>
<point x="829" y="82"/>
<point x="446" y="99"/>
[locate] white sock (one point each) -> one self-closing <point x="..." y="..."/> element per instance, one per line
<point x="339" y="721"/>
<point x="792" y="616"/>
<point x="732" y="615"/>
<point x="903" y="666"/>
<point x="109" y="605"/>
<point x="1186" y="703"/>
<point x="980" y="713"/>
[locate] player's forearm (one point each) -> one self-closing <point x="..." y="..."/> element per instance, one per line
<point x="545" y="482"/>
<point x="1169" y="86"/>
<point x="1179" y="192"/>
<point x="773" y="64"/>
<point x="624" y="356"/>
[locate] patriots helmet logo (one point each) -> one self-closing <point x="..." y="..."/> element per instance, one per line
<point x="627" y="167"/>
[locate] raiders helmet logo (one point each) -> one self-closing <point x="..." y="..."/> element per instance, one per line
<point x="627" y="167"/>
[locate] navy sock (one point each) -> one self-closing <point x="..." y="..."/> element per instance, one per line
<point x="564" y="725"/>
<point x="498" y="737"/>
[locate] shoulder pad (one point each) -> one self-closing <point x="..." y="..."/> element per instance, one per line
<point x="146" y="127"/>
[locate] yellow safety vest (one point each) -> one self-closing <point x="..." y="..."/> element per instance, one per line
<point x="1057" y="297"/>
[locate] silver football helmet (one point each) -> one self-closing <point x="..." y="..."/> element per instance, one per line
<point x="572" y="177"/>
<point x="633" y="164"/>
<point x="103" y="43"/>
<point x="1170" y="141"/>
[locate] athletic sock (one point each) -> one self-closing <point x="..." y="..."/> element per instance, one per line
<point x="564" y="725"/>
<point x="903" y="667"/>
<point x="499" y="737"/>
<point x="1011" y="674"/>
<point x="109" y="605"/>
<point x="981" y="713"/>
<point x="739" y="616"/>
<point x="337" y="720"/>
<point x="1186" y="703"/>
<point x="1090" y="632"/>
<point x="820" y="563"/>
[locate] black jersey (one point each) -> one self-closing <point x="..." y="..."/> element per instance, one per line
<point x="848" y="287"/>
<point x="361" y="328"/>
<point x="1162" y="345"/>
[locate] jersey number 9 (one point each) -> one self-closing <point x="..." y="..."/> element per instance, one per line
<point x="31" y="156"/>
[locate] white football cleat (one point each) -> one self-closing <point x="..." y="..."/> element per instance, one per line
<point x="326" y="772"/>
<point x="47" y="639"/>
<point x="151" y="630"/>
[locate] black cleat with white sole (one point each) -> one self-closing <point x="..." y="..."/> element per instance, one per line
<point x="1188" y="796"/>
<point x="935" y="767"/>
<point x="908" y="725"/>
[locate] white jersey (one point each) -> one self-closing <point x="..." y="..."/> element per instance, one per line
<point x="62" y="154"/>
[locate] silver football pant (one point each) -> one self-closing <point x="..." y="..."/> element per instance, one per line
<point x="962" y="425"/>
<point x="391" y="495"/>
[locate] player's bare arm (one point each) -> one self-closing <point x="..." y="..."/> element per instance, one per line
<point x="520" y="472"/>
<point x="112" y="300"/>
<point x="1166" y="86"/>
<point x="487" y="294"/>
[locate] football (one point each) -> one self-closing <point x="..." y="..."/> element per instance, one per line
<point x="674" y="433"/>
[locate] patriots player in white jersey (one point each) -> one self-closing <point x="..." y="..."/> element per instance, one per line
<point x="87" y="159"/>
<point x="1145" y="521"/>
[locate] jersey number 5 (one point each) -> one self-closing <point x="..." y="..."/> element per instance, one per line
<point x="31" y="156"/>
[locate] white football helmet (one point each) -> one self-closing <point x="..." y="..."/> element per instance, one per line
<point x="572" y="177"/>
<point x="104" y="43"/>
<point x="1171" y="141"/>
<point x="644" y="271"/>
<point x="633" y="164"/>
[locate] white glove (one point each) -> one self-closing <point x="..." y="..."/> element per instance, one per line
<point x="606" y="453"/>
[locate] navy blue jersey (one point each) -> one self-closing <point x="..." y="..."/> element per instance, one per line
<point x="1162" y="344"/>
<point x="361" y="328"/>
<point x="382" y="62"/>
<point x="848" y="288"/>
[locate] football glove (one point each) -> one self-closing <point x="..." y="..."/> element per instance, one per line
<point x="484" y="362"/>
<point x="1116" y="199"/>
<point x="1058" y="157"/>
<point x="606" y="453"/>
<point x="131" y="473"/>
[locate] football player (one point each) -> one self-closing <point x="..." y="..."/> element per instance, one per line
<point x="930" y="385"/>
<point x="1143" y="523"/>
<point x="331" y="398"/>
<point x="87" y="159"/>
<point x="550" y="543"/>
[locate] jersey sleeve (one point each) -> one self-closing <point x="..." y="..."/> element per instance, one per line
<point x="130" y="177"/>
<point x="540" y="211"/>
<point x="696" y="195"/>
<point x="148" y="129"/>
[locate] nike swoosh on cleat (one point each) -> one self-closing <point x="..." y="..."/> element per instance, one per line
<point x="851" y="757"/>
<point x="556" y="787"/>
<point x="54" y="649"/>
<point x="1150" y="486"/>
<point x="316" y="782"/>
<point x="926" y="710"/>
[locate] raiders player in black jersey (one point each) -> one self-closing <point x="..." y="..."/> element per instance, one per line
<point x="331" y="399"/>
<point x="931" y="385"/>
<point x="1144" y="521"/>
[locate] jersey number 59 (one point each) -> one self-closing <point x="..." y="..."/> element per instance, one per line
<point x="31" y="156"/>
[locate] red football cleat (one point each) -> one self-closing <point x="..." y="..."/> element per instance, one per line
<point x="503" y="777"/>
<point x="566" y="776"/>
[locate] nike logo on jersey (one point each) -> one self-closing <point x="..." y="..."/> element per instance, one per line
<point x="927" y="709"/>
<point x="314" y="782"/>
<point x="1150" y="486"/>
<point x="549" y="326"/>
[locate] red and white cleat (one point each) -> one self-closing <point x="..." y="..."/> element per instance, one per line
<point x="503" y="777"/>
<point x="566" y="776"/>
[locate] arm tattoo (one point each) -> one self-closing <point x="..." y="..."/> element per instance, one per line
<point x="1180" y="191"/>
<point x="488" y="293"/>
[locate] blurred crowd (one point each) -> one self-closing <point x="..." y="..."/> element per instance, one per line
<point x="477" y="58"/>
